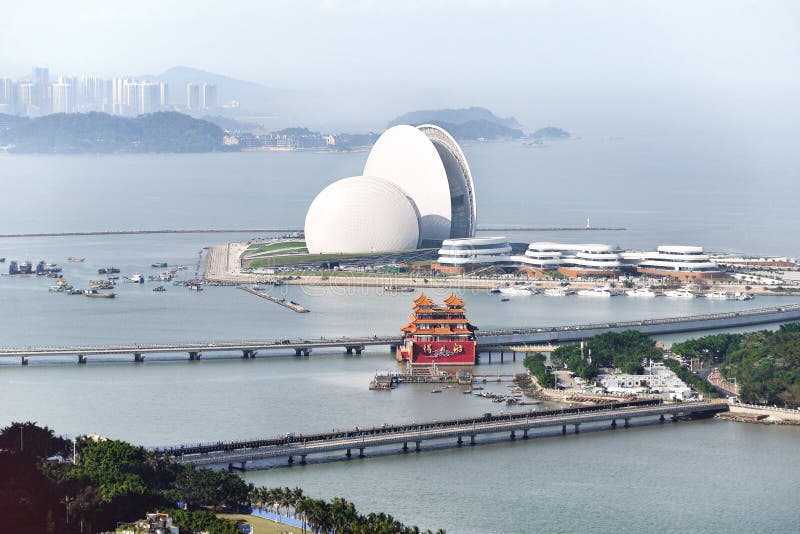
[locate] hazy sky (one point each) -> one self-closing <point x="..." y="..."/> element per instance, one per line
<point x="305" y="43"/>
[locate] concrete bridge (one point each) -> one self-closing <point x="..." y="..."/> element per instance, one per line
<point x="397" y="439"/>
<point x="488" y="340"/>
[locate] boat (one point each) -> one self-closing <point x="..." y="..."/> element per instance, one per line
<point x="602" y="292"/>
<point x="93" y="293"/>
<point x="682" y="293"/>
<point x="436" y="391"/>
<point x="641" y="292"/>
<point x="136" y="279"/>
<point x="72" y="291"/>
<point x="159" y="289"/>
<point x="2" y="260"/>
<point x="517" y="291"/>
<point x="743" y="296"/>
<point x="717" y="295"/>
<point x="495" y="289"/>
<point x="504" y="299"/>
<point x="107" y="270"/>
<point x="76" y="260"/>
<point x="159" y="265"/>
<point x="397" y="289"/>
<point x="558" y="291"/>
<point x="194" y="287"/>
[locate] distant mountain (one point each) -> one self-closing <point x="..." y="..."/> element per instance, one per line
<point x="454" y="116"/>
<point x="468" y="123"/>
<point x="551" y="132"/>
<point x="94" y="133"/>
<point x="248" y="94"/>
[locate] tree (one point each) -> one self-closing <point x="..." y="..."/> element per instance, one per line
<point x="33" y="440"/>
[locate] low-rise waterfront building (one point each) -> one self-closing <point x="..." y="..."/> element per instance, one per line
<point x="659" y="379"/>
<point x="458" y="255"/>
<point x="684" y="263"/>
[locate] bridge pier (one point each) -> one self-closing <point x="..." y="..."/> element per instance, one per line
<point x="232" y="467"/>
<point x="417" y="449"/>
<point x="502" y="354"/>
<point x="405" y="446"/>
<point x="513" y="435"/>
<point x="361" y="452"/>
<point x="248" y="354"/>
<point x="348" y="453"/>
<point x="291" y="460"/>
<point x="81" y="358"/>
<point x="302" y="352"/>
<point x="613" y="423"/>
<point x="350" y="349"/>
<point x="138" y="357"/>
<point x="24" y="360"/>
<point x="627" y="422"/>
<point x="302" y="459"/>
<point x="195" y="355"/>
<point x="661" y="418"/>
<point x="472" y="439"/>
<point x="525" y="434"/>
<point x="460" y="441"/>
<point x="674" y="418"/>
<point x="577" y="428"/>
<point x="563" y="429"/>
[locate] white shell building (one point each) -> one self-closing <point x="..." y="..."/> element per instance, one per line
<point x="361" y="214"/>
<point x="426" y="167"/>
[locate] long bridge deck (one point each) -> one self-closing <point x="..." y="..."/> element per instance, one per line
<point x="488" y="340"/>
<point x="455" y="432"/>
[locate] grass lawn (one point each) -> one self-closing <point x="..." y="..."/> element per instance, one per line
<point x="274" y="247"/>
<point x="278" y="261"/>
<point x="261" y="525"/>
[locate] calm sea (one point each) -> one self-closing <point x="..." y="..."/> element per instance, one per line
<point x="703" y="476"/>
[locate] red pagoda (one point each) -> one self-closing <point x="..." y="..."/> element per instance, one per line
<point x="438" y="335"/>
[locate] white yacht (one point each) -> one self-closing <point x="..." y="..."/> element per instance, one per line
<point x="717" y="295"/>
<point x="517" y="291"/>
<point x="641" y="292"/>
<point x="682" y="293"/>
<point x="603" y="292"/>
<point x="558" y="291"/>
<point x="743" y="296"/>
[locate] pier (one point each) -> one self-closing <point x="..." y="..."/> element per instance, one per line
<point x="295" y="307"/>
<point x="403" y="438"/>
<point x="489" y="341"/>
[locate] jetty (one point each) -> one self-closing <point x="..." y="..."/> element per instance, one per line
<point x="295" y="307"/>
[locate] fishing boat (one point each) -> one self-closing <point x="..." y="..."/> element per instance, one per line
<point x="76" y="260"/>
<point x="161" y="264"/>
<point x="93" y="293"/>
<point x="136" y="279"/>
<point x="159" y="289"/>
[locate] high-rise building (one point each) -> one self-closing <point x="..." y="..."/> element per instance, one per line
<point x="209" y="96"/>
<point x="26" y="93"/>
<point x="163" y="94"/>
<point x="149" y="97"/>
<point x="192" y="97"/>
<point x="8" y="96"/>
<point x="41" y="95"/>
<point x="62" y="98"/>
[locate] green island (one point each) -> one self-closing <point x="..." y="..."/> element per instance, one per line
<point x="101" y="133"/>
<point x="623" y="350"/>
<point x="113" y="482"/>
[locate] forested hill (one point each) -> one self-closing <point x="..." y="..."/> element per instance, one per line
<point x="468" y="123"/>
<point x="77" y="133"/>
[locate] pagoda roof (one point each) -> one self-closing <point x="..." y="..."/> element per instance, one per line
<point x="453" y="300"/>
<point x="422" y="300"/>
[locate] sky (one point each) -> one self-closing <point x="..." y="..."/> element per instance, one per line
<point x="356" y="64"/>
<point x="298" y="43"/>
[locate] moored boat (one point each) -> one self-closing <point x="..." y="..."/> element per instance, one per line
<point x="681" y="293"/>
<point x="558" y="291"/>
<point x="602" y="292"/>
<point x="645" y="292"/>
<point x="93" y="293"/>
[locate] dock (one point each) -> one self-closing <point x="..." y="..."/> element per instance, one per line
<point x="295" y="307"/>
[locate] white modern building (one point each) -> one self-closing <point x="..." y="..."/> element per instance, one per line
<point x="474" y="252"/>
<point x="676" y="261"/>
<point x="574" y="260"/>
<point x="428" y="167"/>
<point x="361" y="214"/>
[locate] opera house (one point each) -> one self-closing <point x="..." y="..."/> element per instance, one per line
<point x="416" y="191"/>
